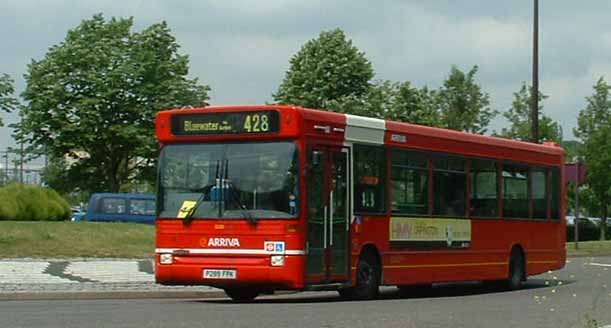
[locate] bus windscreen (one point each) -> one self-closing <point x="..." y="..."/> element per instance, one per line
<point x="230" y="180"/>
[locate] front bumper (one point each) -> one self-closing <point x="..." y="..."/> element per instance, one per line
<point x="250" y="271"/>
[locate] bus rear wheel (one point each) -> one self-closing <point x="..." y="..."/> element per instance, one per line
<point x="517" y="271"/>
<point x="242" y="294"/>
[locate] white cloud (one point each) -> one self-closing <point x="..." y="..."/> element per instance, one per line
<point x="242" y="48"/>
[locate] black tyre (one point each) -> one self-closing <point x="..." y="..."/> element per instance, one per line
<point x="516" y="271"/>
<point x="367" y="279"/>
<point x="242" y="294"/>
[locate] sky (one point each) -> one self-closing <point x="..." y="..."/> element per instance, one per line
<point x="242" y="48"/>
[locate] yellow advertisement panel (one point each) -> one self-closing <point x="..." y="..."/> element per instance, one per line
<point x="434" y="231"/>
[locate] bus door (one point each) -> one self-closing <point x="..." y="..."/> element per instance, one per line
<point x="328" y="204"/>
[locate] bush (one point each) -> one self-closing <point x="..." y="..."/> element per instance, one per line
<point x="32" y="203"/>
<point x="588" y="231"/>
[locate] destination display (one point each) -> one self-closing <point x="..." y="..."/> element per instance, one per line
<point x="226" y="123"/>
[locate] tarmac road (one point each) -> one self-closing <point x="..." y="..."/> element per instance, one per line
<point x="565" y="298"/>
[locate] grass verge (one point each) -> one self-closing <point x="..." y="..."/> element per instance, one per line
<point x="126" y="240"/>
<point x="75" y="239"/>
<point x="589" y="248"/>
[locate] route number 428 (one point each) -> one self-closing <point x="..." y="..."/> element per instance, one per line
<point x="256" y="123"/>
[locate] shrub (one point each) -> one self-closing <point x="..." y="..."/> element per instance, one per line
<point x="588" y="231"/>
<point x="32" y="203"/>
<point x="9" y="207"/>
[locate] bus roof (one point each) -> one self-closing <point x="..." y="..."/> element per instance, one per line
<point x="384" y="127"/>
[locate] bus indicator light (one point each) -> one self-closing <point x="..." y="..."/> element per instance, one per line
<point x="277" y="260"/>
<point x="166" y="259"/>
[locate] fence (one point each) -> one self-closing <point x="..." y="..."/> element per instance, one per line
<point x="15" y="168"/>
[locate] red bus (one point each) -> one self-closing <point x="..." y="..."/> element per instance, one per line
<point x="253" y="199"/>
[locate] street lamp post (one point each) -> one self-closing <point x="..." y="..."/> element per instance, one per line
<point x="6" y="166"/>
<point x="535" y="83"/>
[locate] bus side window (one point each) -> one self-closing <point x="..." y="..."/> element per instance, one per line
<point x="538" y="184"/>
<point x="409" y="180"/>
<point x="370" y="179"/>
<point x="449" y="186"/>
<point x="484" y="189"/>
<point x="515" y="191"/>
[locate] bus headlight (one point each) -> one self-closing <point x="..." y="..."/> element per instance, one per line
<point x="166" y="259"/>
<point x="277" y="260"/>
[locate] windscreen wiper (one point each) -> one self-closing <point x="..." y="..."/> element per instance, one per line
<point x="236" y="197"/>
<point x="189" y="217"/>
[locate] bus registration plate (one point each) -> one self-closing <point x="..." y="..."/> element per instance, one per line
<point x="219" y="274"/>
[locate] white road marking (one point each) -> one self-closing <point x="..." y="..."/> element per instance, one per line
<point x="600" y="264"/>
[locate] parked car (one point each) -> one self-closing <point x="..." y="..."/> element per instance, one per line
<point x="570" y="220"/>
<point x="77" y="214"/>
<point x="121" y="207"/>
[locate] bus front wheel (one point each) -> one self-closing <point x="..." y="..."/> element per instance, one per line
<point x="367" y="279"/>
<point x="242" y="294"/>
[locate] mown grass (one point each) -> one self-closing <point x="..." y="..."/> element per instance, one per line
<point x="589" y="248"/>
<point x="75" y="239"/>
<point x="125" y="240"/>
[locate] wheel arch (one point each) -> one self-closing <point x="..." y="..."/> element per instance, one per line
<point x="372" y="249"/>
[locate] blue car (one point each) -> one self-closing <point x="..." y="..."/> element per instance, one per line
<point x="121" y="207"/>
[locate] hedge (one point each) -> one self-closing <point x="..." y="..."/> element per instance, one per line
<point x="588" y="231"/>
<point x="32" y="203"/>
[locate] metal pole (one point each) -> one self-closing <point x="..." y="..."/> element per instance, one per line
<point x="6" y="165"/>
<point x="577" y="205"/>
<point x="5" y="180"/>
<point x="535" y="88"/>
<point x="21" y="163"/>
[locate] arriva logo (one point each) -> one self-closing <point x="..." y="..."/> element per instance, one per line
<point x="223" y="242"/>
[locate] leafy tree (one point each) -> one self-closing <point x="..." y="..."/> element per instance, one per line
<point x="597" y="112"/>
<point x="391" y="101"/>
<point x="572" y="149"/>
<point x="376" y="102"/>
<point x="598" y="161"/>
<point x="94" y="96"/>
<point x="415" y="106"/>
<point x="594" y="130"/>
<point x="7" y="102"/>
<point x="325" y="69"/>
<point x="463" y="104"/>
<point x="519" y="117"/>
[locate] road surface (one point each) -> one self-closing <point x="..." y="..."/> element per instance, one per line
<point x="567" y="298"/>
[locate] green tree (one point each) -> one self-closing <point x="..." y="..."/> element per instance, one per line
<point x="7" y="102"/>
<point x="415" y="106"/>
<point x="462" y="103"/>
<point x="519" y="117"/>
<point x="598" y="161"/>
<point x="391" y="101"/>
<point x="325" y="69"/>
<point x="94" y="96"/>
<point x="572" y="149"/>
<point x="376" y="102"/>
<point x="594" y="130"/>
<point x="597" y="112"/>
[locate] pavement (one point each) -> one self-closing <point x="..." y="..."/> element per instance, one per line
<point x="88" y="278"/>
<point x="36" y="279"/>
